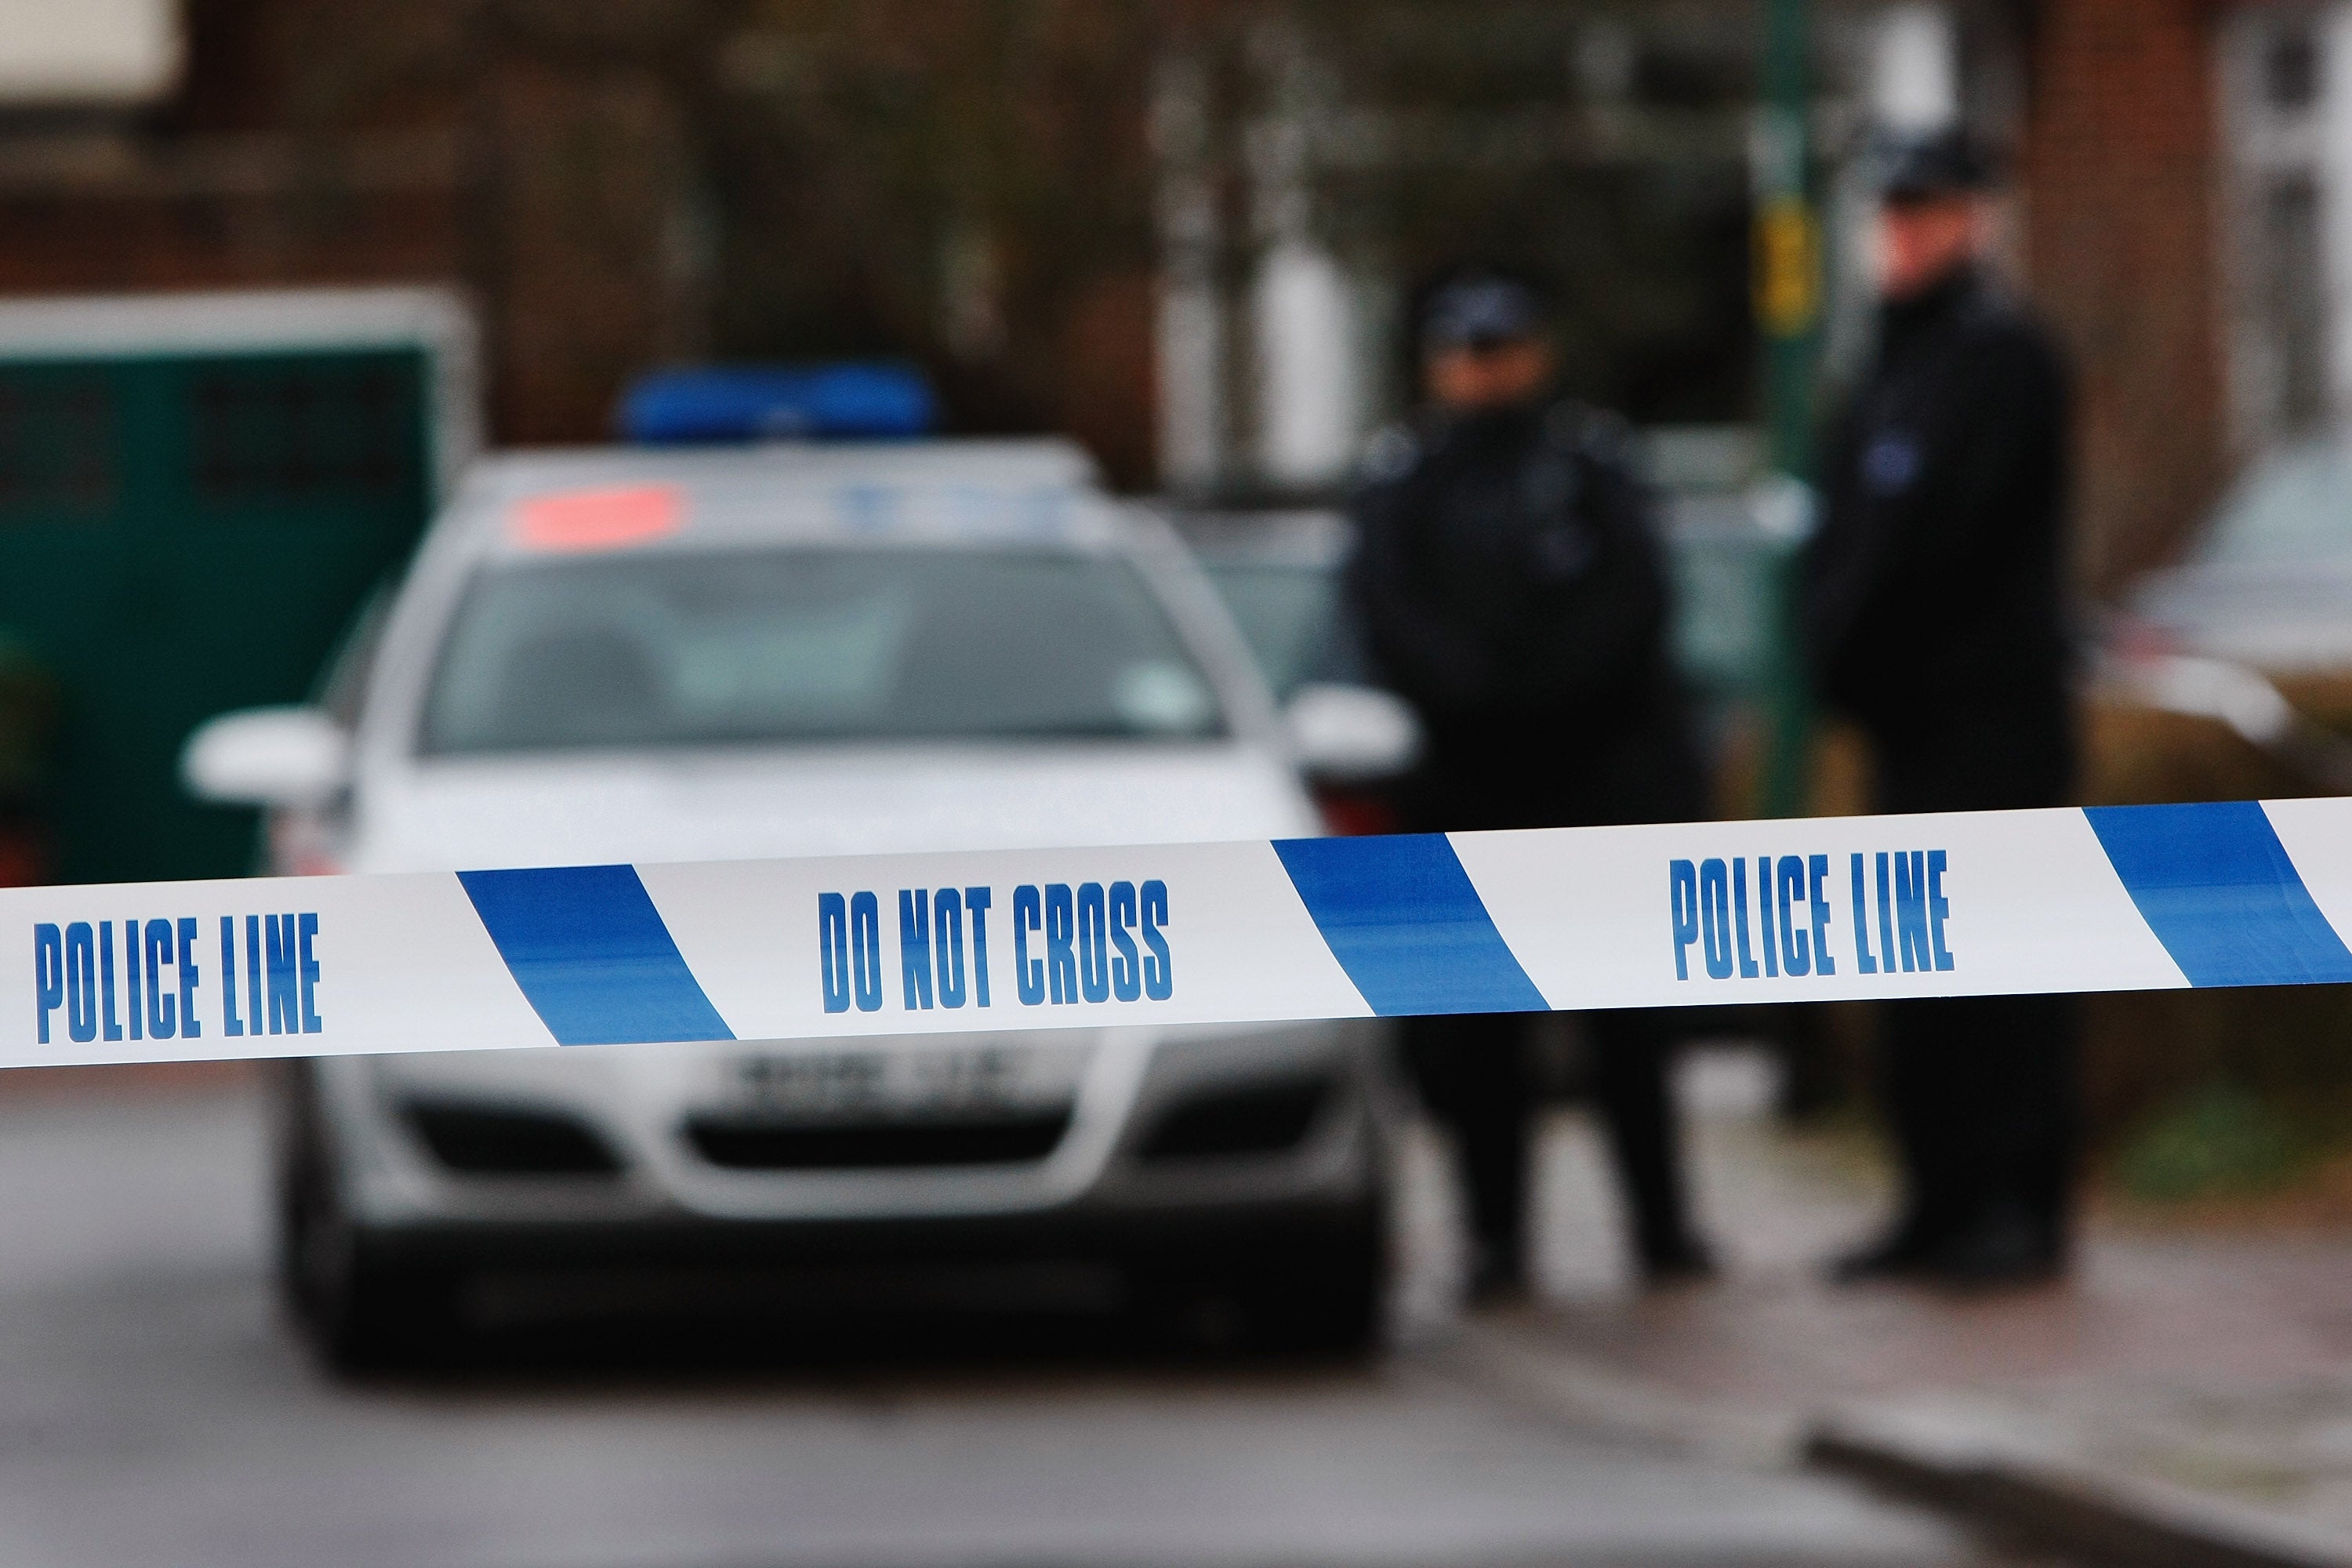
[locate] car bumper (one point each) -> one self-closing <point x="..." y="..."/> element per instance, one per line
<point x="1107" y="1180"/>
<point x="1223" y="1235"/>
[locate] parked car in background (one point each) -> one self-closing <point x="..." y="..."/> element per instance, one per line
<point x="2262" y="596"/>
<point x="2268" y="583"/>
<point x="1278" y="572"/>
<point x="639" y="655"/>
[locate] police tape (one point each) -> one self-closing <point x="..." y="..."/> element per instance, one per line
<point x="2108" y="899"/>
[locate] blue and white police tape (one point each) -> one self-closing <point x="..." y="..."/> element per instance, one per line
<point x="2104" y="899"/>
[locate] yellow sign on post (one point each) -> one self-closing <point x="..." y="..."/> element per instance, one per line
<point x="1788" y="267"/>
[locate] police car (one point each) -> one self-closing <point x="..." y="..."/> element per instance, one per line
<point x="631" y="655"/>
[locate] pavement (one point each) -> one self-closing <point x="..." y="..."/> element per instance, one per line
<point x="2185" y="1396"/>
<point x="154" y="1411"/>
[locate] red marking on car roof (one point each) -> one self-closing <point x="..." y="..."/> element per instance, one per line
<point x="610" y="519"/>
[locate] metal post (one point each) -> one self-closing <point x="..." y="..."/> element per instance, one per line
<point x="1787" y="262"/>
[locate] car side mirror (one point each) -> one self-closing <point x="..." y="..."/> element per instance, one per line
<point x="293" y="757"/>
<point x="1350" y="734"/>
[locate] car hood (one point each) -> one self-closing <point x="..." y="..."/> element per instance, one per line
<point x="2285" y="616"/>
<point x="566" y="811"/>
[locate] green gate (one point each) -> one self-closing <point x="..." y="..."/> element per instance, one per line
<point x="182" y="533"/>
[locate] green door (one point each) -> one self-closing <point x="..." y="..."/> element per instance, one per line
<point x="181" y="536"/>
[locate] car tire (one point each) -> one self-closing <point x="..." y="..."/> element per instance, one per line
<point x="1317" y="1292"/>
<point x="1323" y="1298"/>
<point x="360" y="1308"/>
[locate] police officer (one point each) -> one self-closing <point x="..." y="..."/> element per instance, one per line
<point x="1935" y="612"/>
<point x="1507" y="585"/>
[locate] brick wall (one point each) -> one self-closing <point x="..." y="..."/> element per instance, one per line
<point x="245" y="210"/>
<point x="2120" y="175"/>
<point x="540" y="168"/>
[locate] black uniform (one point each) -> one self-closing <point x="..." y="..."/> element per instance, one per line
<point x="1508" y="586"/>
<point x="1936" y="619"/>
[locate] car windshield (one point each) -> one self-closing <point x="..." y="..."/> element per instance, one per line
<point x="791" y="645"/>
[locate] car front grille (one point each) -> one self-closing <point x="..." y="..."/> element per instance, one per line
<point x="1262" y="1119"/>
<point x="484" y="1141"/>
<point x="751" y="1145"/>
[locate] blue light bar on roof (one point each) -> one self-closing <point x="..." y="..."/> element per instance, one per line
<point x="869" y="400"/>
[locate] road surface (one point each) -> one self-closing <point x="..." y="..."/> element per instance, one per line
<point x="152" y="1411"/>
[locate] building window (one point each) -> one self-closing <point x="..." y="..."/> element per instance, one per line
<point x="2290" y="67"/>
<point x="2285" y="180"/>
<point x="2294" y="300"/>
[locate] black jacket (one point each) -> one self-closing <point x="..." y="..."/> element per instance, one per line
<point x="1936" y="607"/>
<point x="1507" y="585"/>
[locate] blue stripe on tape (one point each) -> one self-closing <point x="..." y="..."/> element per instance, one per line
<point x="1400" y="916"/>
<point x="2215" y="885"/>
<point x="590" y="953"/>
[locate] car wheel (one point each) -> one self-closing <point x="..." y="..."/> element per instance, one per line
<point x="1322" y="1299"/>
<point x="1318" y="1292"/>
<point x="361" y="1308"/>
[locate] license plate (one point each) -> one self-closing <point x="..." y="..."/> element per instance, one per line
<point x="961" y="1081"/>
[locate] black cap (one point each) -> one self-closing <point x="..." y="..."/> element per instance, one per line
<point x="1479" y="310"/>
<point x="1917" y="167"/>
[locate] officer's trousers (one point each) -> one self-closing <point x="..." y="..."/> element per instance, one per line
<point x="1981" y="1093"/>
<point x="1545" y="771"/>
<point x="1982" y="1090"/>
<point x="1474" y="1074"/>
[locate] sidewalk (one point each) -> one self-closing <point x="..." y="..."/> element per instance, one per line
<point x="2186" y="1397"/>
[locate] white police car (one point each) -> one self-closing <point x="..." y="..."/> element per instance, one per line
<point x="627" y="655"/>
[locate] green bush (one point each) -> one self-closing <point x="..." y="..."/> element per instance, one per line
<point x="2220" y="1140"/>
